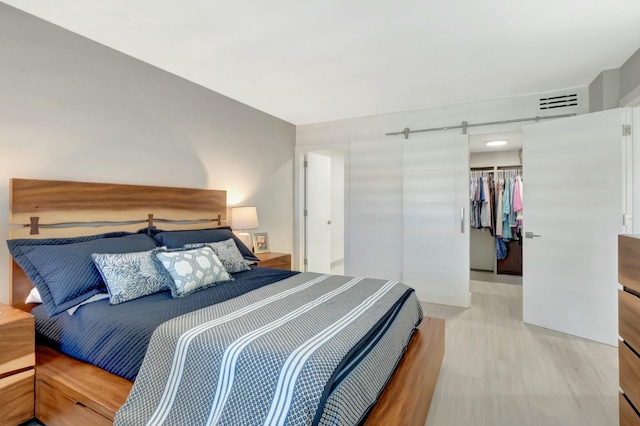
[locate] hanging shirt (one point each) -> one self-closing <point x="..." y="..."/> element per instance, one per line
<point x="501" y="249"/>
<point x="507" y="235"/>
<point x="517" y="198"/>
<point x="492" y="202"/>
<point x="513" y="222"/>
<point x="520" y="214"/>
<point x="500" y="187"/>
<point x="484" y="210"/>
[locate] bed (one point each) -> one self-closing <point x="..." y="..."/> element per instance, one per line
<point x="69" y="391"/>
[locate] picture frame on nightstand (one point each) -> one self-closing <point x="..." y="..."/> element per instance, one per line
<point x="261" y="242"/>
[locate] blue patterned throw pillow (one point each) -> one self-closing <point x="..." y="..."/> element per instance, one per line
<point x="131" y="275"/>
<point x="228" y="253"/>
<point x="192" y="269"/>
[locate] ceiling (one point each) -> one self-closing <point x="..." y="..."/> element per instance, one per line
<point x="310" y="61"/>
<point x="478" y="143"/>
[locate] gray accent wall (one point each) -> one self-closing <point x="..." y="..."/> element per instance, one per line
<point x="630" y="75"/>
<point x="614" y="88"/>
<point x="73" y="109"/>
<point x="604" y="91"/>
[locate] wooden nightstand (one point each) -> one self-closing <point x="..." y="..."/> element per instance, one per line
<point x="17" y="361"/>
<point x="274" y="260"/>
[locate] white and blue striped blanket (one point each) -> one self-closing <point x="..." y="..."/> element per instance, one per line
<point x="288" y="353"/>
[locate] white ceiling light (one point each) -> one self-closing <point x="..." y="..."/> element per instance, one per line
<point x="496" y="143"/>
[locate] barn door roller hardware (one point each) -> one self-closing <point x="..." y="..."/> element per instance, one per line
<point x="464" y="125"/>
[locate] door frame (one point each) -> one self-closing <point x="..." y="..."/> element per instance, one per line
<point x="299" y="195"/>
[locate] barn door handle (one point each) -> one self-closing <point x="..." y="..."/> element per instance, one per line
<point x="462" y="220"/>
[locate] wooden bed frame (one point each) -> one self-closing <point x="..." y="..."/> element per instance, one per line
<point x="71" y="392"/>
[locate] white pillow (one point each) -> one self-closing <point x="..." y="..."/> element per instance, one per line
<point x="34" y="296"/>
<point x="228" y="253"/>
<point x="193" y="269"/>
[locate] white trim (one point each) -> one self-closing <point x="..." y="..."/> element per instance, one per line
<point x="627" y="166"/>
<point x="633" y="118"/>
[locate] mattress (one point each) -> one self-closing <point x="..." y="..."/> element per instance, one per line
<point x="115" y="337"/>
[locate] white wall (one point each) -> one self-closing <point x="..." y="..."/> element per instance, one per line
<point x="73" y="109"/>
<point x="494" y="158"/>
<point x="375" y="168"/>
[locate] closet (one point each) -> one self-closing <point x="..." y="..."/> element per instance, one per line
<point x="496" y="213"/>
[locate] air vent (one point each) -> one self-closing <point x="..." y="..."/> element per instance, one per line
<point x="561" y="101"/>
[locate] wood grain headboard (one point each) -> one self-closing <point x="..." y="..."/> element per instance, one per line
<point x="55" y="208"/>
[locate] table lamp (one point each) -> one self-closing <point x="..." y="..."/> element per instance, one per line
<point x="243" y="219"/>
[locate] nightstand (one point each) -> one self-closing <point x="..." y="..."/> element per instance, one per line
<point x="274" y="260"/>
<point x="17" y="361"/>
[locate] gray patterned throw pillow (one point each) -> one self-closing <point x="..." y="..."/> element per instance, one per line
<point x="129" y="276"/>
<point x="192" y="269"/>
<point x="228" y="253"/>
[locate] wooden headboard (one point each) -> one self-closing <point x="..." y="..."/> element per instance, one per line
<point x="54" y="208"/>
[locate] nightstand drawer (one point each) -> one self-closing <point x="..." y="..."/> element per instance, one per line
<point x="17" y="347"/>
<point x="57" y="409"/>
<point x="628" y="416"/>
<point x="628" y="265"/>
<point x="16" y="396"/>
<point x="629" y="373"/>
<point x="629" y="318"/>
<point x="275" y="260"/>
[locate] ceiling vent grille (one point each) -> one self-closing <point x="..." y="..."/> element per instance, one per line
<point x="561" y="101"/>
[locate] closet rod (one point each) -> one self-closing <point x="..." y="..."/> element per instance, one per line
<point x="496" y="171"/>
<point x="464" y="126"/>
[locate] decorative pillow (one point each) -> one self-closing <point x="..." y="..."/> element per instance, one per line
<point x="131" y="275"/>
<point x="62" y="269"/>
<point x="192" y="269"/>
<point x="177" y="239"/>
<point x="228" y="253"/>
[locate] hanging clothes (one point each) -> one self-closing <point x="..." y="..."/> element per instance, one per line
<point x="518" y="205"/>
<point x="481" y="201"/>
<point x="501" y="248"/>
<point x="507" y="234"/>
<point x="500" y="187"/>
<point x="513" y="222"/>
<point x="485" y="221"/>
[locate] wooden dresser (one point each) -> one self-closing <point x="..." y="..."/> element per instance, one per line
<point x="629" y="328"/>
<point x="17" y="362"/>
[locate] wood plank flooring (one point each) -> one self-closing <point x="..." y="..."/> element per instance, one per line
<point x="498" y="371"/>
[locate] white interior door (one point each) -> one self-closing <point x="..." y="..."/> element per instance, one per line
<point x="573" y="201"/>
<point x="318" y="219"/>
<point x="436" y="217"/>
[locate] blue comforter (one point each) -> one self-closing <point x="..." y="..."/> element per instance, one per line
<point x="115" y="337"/>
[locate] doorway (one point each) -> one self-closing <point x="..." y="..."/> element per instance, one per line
<point x="324" y="205"/>
<point x="495" y="161"/>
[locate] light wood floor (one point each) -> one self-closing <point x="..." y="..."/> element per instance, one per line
<point x="498" y="371"/>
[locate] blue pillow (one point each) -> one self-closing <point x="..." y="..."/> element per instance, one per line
<point x="62" y="269"/>
<point x="177" y="239"/>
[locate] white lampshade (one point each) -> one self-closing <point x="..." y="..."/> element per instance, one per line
<point x="244" y="218"/>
